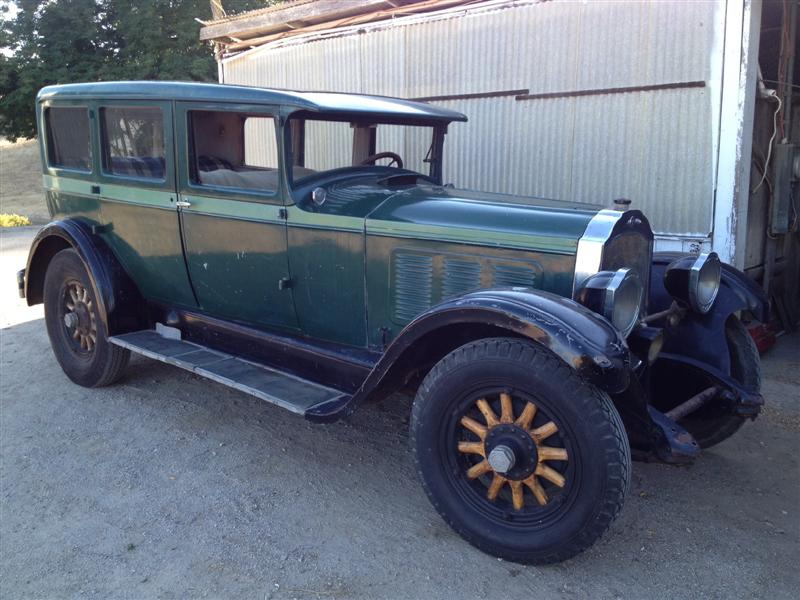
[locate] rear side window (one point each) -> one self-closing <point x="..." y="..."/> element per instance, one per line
<point x="133" y="141"/>
<point x="68" y="145"/>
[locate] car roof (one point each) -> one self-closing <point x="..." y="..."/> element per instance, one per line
<point x="326" y="102"/>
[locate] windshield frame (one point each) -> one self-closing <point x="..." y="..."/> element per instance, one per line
<point x="434" y="158"/>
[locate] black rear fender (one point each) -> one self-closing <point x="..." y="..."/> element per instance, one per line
<point x="119" y="301"/>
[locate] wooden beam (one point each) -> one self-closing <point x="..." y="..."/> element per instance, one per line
<point x="358" y="19"/>
<point x="272" y="21"/>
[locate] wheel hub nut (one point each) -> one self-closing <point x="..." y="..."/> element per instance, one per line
<point x="71" y="320"/>
<point x="501" y="459"/>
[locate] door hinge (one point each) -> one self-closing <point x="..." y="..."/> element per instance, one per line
<point x="285" y="283"/>
<point x="283" y="213"/>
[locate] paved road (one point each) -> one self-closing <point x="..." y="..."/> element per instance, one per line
<point x="167" y="485"/>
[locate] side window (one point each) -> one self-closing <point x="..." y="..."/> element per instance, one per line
<point x="234" y="150"/>
<point x="133" y="141"/>
<point x="68" y="144"/>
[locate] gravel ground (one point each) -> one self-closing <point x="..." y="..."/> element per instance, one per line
<point x="166" y="485"/>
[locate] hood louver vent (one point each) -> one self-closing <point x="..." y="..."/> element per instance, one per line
<point x="420" y="280"/>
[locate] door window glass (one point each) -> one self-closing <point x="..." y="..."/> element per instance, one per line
<point x="133" y="141"/>
<point x="234" y="150"/>
<point x="68" y="143"/>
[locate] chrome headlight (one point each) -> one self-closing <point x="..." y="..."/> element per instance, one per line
<point x="617" y="295"/>
<point x="694" y="280"/>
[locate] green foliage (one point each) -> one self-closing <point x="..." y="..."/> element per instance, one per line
<point x="66" y="41"/>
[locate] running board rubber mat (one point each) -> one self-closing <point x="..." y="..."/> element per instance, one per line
<point x="288" y="391"/>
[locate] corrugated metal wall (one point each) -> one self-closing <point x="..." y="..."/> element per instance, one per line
<point x="655" y="147"/>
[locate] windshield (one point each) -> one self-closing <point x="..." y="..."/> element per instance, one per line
<point x="318" y="145"/>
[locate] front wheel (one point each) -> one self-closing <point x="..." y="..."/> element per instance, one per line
<point x="77" y="332"/>
<point x="519" y="455"/>
<point x="710" y="425"/>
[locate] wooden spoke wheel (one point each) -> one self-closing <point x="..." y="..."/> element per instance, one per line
<point x="76" y="327"/>
<point x="522" y="457"/>
<point x="512" y="451"/>
<point x="79" y="316"/>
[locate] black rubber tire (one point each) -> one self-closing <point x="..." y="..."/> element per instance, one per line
<point x="106" y="362"/>
<point x="711" y="429"/>
<point x="602" y="455"/>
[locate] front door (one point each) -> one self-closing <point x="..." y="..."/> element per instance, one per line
<point x="231" y="207"/>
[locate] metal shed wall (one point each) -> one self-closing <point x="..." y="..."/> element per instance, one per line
<point x="657" y="146"/>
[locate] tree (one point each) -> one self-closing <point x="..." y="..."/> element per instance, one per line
<point x="65" y="41"/>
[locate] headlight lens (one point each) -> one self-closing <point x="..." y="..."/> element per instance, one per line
<point x="617" y="295"/>
<point x="625" y="299"/>
<point x="694" y="280"/>
<point x="704" y="282"/>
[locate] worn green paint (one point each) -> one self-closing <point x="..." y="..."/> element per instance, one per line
<point x="235" y="266"/>
<point x="554" y="275"/>
<point x="147" y="242"/>
<point x="359" y="267"/>
<point x="328" y="283"/>
<point x="232" y="209"/>
<point x="305" y="217"/>
<point x="141" y="229"/>
<point x="446" y="214"/>
<point x="234" y="240"/>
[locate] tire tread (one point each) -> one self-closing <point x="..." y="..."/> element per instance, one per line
<point x="599" y="409"/>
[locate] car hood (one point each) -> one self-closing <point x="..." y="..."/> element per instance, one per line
<point x="449" y="214"/>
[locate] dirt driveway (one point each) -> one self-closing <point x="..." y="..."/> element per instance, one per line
<point x="167" y="485"/>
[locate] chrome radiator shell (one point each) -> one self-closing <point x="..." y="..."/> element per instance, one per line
<point x="615" y="240"/>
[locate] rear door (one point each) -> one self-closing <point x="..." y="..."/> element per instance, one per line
<point x="232" y="212"/>
<point x="136" y="187"/>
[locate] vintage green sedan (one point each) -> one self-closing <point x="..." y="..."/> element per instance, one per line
<point x="304" y="248"/>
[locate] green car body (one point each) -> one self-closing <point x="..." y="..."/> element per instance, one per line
<point x="238" y="238"/>
<point x="355" y="281"/>
<point x="353" y="272"/>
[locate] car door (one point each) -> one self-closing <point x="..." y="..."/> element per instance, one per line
<point x="326" y="243"/>
<point x="231" y="208"/>
<point x="136" y="188"/>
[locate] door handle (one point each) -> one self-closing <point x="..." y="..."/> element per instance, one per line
<point x="183" y="204"/>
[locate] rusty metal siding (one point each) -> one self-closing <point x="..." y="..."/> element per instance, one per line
<point x="655" y="147"/>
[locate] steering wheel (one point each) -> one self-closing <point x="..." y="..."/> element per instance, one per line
<point x="370" y="160"/>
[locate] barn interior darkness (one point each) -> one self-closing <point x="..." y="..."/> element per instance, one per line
<point x="773" y="241"/>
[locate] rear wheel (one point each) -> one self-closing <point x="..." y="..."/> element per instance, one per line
<point x="78" y="335"/>
<point x="518" y="454"/>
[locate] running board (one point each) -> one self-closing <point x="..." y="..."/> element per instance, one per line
<point x="287" y="391"/>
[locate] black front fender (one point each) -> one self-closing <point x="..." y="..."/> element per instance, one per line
<point x="118" y="299"/>
<point x="702" y="337"/>
<point x="581" y="338"/>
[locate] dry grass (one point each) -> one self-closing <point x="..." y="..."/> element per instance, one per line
<point x="21" y="180"/>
